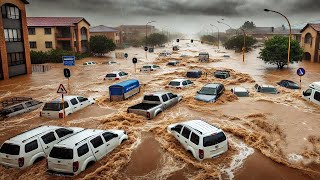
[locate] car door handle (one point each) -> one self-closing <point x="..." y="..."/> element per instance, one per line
<point x="97" y="151"/>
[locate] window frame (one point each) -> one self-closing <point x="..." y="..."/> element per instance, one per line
<point x="192" y="140"/>
<point x="47" y="136"/>
<point x="182" y="133"/>
<point x="47" y="31"/>
<point x="84" y="147"/>
<point x="29" y="144"/>
<point x="165" y="98"/>
<point x="31" y="31"/>
<point x="94" y="139"/>
<point x="48" y="44"/>
<point x="316" y="96"/>
<point x="33" y="44"/>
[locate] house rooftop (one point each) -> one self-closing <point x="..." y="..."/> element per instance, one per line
<point x="102" y="28"/>
<point x="53" y="21"/>
<point x="316" y="27"/>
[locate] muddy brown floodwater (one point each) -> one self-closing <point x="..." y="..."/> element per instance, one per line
<point x="270" y="136"/>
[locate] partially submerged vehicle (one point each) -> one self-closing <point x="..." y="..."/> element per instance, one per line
<point x="18" y="105"/>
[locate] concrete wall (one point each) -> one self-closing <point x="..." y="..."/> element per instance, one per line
<point x="24" y="30"/>
<point x="313" y="49"/>
<point x="40" y="37"/>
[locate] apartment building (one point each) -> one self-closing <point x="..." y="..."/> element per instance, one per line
<point x="14" y="46"/>
<point x="310" y="42"/>
<point x="134" y="32"/>
<point x="67" y="33"/>
<point x="110" y="33"/>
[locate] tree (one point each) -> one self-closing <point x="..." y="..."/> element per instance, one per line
<point x="236" y="42"/>
<point x="248" y="25"/>
<point x="275" y="51"/>
<point x="209" y="39"/>
<point x="101" y="45"/>
<point x="156" y="39"/>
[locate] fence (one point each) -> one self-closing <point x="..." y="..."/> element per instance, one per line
<point x="40" y="68"/>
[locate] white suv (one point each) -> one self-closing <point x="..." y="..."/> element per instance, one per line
<point x="116" y="75"/>
<point x="32" y="146"/>
<point x="78" y="152"/>
<point x="150" y="67"/>
<point x="203" y="140"/>
<point x="179" y="83"/>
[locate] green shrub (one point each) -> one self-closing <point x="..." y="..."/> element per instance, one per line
<point x="53" y="56"/>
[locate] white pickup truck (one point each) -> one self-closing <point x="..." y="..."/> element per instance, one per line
<point x="155" y="103"/>
<point x="54" y="109"/>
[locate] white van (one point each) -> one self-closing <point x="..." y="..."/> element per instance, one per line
<point x="72" y="104"/>
<point x="203" y="140"/>
<point x="75" y="154"/>
<point x="313" y="93"/>
<point x="32" y="146"/>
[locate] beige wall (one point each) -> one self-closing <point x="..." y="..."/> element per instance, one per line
<point x="40" y="37"/>
<point x="313" y="48"/>
<point x="114" y="36"/>
<point x="82" y="24"/>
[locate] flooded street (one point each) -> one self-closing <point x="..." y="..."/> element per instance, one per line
<point x="270" y="136"/>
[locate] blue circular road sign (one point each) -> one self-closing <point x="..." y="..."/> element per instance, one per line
<point x="301" y="72"/>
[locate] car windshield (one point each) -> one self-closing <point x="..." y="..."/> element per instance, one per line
<point x="11" y="149"/>
<point x="214" y="139"/>
<point x="111" y="75"/>
<point x="208" y="91"/>
<point x="269" y="90"/>
<point x="242" y="94"/>
<point x="174" y="83"/>
<point x="146" y="67"/>
<point x="52" y="106"/>
<point x="61" y="153"/>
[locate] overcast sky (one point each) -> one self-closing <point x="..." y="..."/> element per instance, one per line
<point x="187" y="16"/>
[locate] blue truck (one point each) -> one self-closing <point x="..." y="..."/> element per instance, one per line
<point x="124" y="90"/>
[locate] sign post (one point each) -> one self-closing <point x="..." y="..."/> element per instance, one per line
<point x="134" y="61"/>
<point x="301" y="72"/>
<point x="62" y="90"/>
<point x="146" y="50"/>
<point x="126" y="55"/>
<point x="68" y="61"/>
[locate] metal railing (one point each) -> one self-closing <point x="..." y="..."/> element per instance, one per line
<point x="40" y="67"/>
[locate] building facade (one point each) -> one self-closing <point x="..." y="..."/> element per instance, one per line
<point x="66" y="33"/>
<point x="134" y="32"/>
<point x="110" y="33"/>
<point x="14" y="46"/>
<point x="310" y="42"/>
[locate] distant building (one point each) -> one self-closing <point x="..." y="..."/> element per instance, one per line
<point x="67" y="33"/>
<point x="134" y="32"/>
<point x="14" y="46"/>
<point x="109" y="32"/>
<point x="310" y="42"/>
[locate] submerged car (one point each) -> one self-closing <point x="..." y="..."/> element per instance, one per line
<point x="150" y="67"/>
<point x="240" y="92"/>
<point x="288" y="84"/>
<point x="116" y="75"/>
<point x="89" y="63"/>
<point x="313" y="93"/>
<point x="222" y="74"/>
<point x="179" y="83"/>
<point x="173" y="63"/>
<point x="210" y="92"/>
<point x="109" y="62"/>
<point x="267" y="89"/>
<point x="19" y="108"/>
<point x="194" y="74"/>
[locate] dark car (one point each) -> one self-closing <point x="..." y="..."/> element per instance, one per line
<point x="194" y="74"/>
<point x="210" y="92"/>
<point x="173" y="63"/>
<point x="288" y="84"/>
<point x="222" y="74"/>
<point x="175" y="48"/>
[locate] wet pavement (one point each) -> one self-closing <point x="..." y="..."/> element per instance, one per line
<point x="270" y="136"/>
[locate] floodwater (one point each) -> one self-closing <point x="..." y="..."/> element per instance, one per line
<point x="270" y="136"/>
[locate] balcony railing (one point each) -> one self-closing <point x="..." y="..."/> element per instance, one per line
<point x="63" y="35"/>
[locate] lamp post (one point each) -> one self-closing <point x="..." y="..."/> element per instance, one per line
<point x="289" y="44"/>
<point x="218" y="35"/>
<point x="244" y="39"/>
<point x="147" y="36"/>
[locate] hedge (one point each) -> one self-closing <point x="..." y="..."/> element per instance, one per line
<point x="53" y="56"/>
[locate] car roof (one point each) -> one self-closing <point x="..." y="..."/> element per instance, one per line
<point x="240" y="89"/>
<point x="267" y="86"/>
<point x="202" y="127"/>
<point x="214" y="85"/>
<point x="180" y="80"/>
<point x="32" y="133"/>
<point x="315" y="85"/>
<point x="75" y="139"/>
<point x="65" y="98"/>
<point x="195" y="70"/>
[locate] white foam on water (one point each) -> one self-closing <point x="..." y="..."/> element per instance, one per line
<point x="295" y="157"/>
<point x="238" y="160"/>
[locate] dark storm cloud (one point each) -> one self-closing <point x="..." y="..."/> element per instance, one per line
<point x="305" y="6"/>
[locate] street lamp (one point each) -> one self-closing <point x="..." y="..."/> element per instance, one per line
<point x="289" y="45"/>
<point x="147" y="35"/>
<point x="218" y="35"/>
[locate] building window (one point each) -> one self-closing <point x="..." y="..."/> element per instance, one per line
<point x="32" y="31"/>
<point x="47" y="30"/>
<point x="33" y="44"/>
<point x="10" y="12"/>
<point x="12" y="35"/>
<point x="48" y="44"/>
<point x="308" y="39"/>
<point x="83" y="31"/>
<point x="15" y="59"/>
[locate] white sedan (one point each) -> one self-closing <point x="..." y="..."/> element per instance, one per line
<point x="116" y="75"/>
<point x="179" y="83"/>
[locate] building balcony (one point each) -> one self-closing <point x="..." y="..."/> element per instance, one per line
<point x="63" y="36"/>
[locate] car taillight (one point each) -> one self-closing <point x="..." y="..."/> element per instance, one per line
<point x="148" y="115"/>
<point x="61" y="115"/>
<point x="75" y="166"/>
<point x="21" y="161"/>
<point x="116" y="79"/>
<point x="201" y="153"/>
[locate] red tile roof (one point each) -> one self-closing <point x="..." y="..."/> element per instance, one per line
<point x="316" y="27"/>
<point x="53" y="21"/>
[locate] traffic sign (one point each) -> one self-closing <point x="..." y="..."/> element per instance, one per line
<point x="301" y="72"/>
<point x="178" y="40"/>
<point x="126" y="55"/>
<point x="134" y="60"/>
<point x="191" y="40"/>
<point x="66" y="72"/>
<point x="69" y="60"/>
<point x="62" y="89"/>
<point x="146" y="48"/>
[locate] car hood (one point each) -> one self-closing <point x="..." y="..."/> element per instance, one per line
<point x="206" y="98"/>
